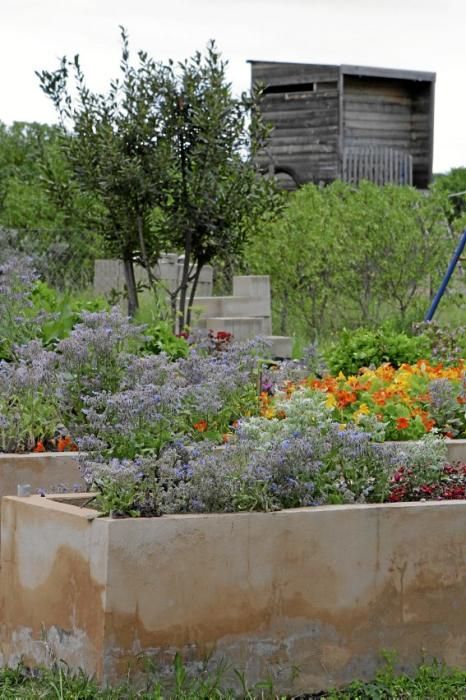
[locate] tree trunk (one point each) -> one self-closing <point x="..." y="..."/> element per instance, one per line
<point x="195" y="281"/>
<point x="184" y="282"/>
<point x="145" y="258"/>
<point x="133" y="303"/>
<point x="173" y="309"/>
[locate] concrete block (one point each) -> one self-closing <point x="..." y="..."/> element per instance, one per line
<point x="109" y="275"/>
<point x="41" y="470"/>
<point x="206" y="306"/>
<point x="256" y="286"/>
<point x="245" y="306"/>
<point x="242" y="328"/>
<point x="281" y="346"/>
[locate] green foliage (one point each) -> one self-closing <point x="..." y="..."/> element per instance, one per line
<point x="160" y="338"/>
<point x="115" y="149"/>
<point x="431" y="680"/>
<point x="453" y="184"/>
<point x="40" y="198"/>
<point x="345" y="257"/>
<point x="170" y="153"/>
<point x="33" y="415"/>
<point x="364" y="347"/>
<point x="61" y="311"/>
<point x="213" y="197"/>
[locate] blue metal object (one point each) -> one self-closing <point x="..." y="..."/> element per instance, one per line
<point x="456" y="256"/>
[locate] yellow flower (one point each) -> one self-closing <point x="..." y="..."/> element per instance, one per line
<point x="363" y="410"/>
<point x="330" y="401"/>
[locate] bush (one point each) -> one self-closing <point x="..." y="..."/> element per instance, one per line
<point x="364" y="347"/>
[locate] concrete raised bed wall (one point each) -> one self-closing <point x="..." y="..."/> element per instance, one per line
<point x="46" y="470"/>
<point x="322" y="590"/>
<point x="456" y="451"/>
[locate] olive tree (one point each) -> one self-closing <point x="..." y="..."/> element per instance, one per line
<point x="113" y="144"/>
<point x="171" y="153"/>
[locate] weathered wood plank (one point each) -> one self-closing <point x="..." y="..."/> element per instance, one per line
<point x="278" y="73"/>
<point x="295" y="132"/>
<point x="303" y="148"/>
<point x="370" y="99"/>
<point x="379" y="165"/>
<point x="305" y="141"/>
<point x="313" y="100"/>
<point x="373" y="116"/>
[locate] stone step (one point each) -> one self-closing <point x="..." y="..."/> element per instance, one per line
<point x="281" y="346"/>
<point x="242" y="328"/>
<point x="256" y="286"/>
<point x="230" y="306"/>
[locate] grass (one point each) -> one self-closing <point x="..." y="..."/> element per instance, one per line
<point x="432" y="681"/>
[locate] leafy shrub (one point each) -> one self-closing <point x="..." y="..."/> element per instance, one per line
<point x="365" y="347"/>
<point x="59" y="313"/>
<point x="159" y="337"/>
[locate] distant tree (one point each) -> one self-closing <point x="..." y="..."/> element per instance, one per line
<point x="41" y="199"/>
<point x="343" y="256"/>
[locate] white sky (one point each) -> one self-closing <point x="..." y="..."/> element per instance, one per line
<point x="412" y="34"/>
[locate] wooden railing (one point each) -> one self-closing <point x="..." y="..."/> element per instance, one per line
<point x="377" y="164"/>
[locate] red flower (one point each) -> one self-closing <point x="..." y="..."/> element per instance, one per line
<point x="402" y="423"/>
<point x="200" y="426"/>
<point x="39" y="446"/>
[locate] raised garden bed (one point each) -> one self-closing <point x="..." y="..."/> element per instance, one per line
<point x="323" y="590"/>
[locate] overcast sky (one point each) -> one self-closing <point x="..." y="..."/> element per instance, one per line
<point x="412" y="34"/>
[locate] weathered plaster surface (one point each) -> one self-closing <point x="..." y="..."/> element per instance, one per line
<point x="47" y="471"/>
<point x="53" y="580"/>
<point x="456" y="449"/>
<point x="322" y="590"/>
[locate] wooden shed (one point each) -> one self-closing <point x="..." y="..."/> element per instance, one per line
<point x="346" y="122"/>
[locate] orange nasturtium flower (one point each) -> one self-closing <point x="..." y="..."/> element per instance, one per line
<point x="200" y="426"/>
<point x="65" y="443"/>
<point x="402" y="423"/>
<point x="345" y="397"/>
<point x="39" y="446"/>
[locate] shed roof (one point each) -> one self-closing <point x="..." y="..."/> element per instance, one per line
<point x="362" y="71"/>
